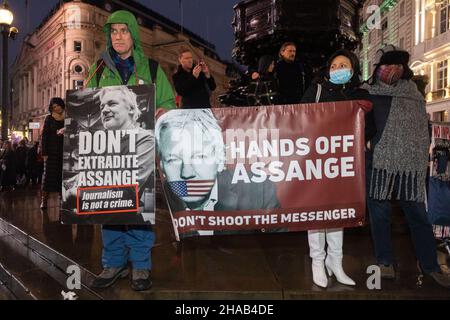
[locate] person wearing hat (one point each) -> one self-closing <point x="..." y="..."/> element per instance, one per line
<point x="52" y="149"/>
<point x="396" y="162"/>
<point x="338" y="82"/>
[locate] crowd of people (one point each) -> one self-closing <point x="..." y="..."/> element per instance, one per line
<point x="396" y="136"/>
<point x="25" y="165"/>
<point x="21" y="164"/>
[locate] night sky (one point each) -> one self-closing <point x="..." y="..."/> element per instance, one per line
<point x="210" y="19"/>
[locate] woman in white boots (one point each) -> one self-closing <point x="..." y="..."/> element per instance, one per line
<point x="340" y="81"/>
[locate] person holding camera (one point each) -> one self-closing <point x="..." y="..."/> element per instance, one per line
<point x="193" y="81"/>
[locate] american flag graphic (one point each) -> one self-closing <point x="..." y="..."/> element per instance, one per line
<point x="191" y="187"/>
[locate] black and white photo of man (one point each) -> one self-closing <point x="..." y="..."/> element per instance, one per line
<point x="119" y="111"/>
<point x="118" y="107"/>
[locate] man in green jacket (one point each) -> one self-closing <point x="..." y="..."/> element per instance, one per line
<point x="124" y="63"/>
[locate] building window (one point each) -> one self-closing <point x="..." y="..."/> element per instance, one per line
<point x="402" y="9"/>
<point x="445" y="16"/>
<point x="78" y="84"/>
<point x="402" y="43"/>
<point x="78" y="68"/>
<point x="384" y="25"/>
<point x="442" y="80"/>
<point x="77" y="46"/>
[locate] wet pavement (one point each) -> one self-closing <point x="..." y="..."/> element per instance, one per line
<point x="36" y="250"/>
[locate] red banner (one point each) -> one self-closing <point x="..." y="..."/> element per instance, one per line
<point x="263" y="169"/>
<point x="441" y="131"/>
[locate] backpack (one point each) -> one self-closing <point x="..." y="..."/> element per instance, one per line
<point x="153" y="64"/>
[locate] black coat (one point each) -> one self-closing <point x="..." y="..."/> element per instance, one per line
<point x="195" y="92"/>
<point x="52" y="146"/>
<point x="332" y="92"/>
<point x="381" y="106"/>
<point x="292" y="80"/>
<point x="21" y="158"/>
<point x="32" y="157"/>
<point x="8" y="176"/>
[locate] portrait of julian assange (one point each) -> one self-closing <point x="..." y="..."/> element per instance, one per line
<point x="191" y="152"/>
<point x="110" y="142"/>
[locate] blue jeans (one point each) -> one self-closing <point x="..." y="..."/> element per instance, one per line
<point x="127" y="243"/>
<point x="420" y="227"/>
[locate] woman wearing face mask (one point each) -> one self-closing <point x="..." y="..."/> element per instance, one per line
<point x="52" y="149"/>
<point x="338" y="82"/>
<point x="396" y="164"/>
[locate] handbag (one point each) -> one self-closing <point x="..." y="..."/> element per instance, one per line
<point x="439" y="202"/>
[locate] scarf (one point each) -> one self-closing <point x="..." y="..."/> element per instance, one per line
<point x="125" y="67"/>
<point x="402" y="152"/>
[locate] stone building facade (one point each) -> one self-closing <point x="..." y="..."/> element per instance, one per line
<point x="56" y="57"/>
<point x="431" y="54"/>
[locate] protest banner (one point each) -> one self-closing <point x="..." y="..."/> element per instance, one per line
<point x="263" y="169"/>
<point x="109" y="156"/>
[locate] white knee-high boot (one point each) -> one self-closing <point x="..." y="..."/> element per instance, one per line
<point x="316" y="240"/>
<point x="333" y="262"/>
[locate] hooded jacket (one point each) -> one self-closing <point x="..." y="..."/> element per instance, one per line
<point x="110" y="75"/>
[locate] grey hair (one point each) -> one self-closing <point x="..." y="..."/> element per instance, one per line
<point x="125" y="93"/>
<point x="201" y="118"/>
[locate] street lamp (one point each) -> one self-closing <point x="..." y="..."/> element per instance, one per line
<point x="6" y="18"/>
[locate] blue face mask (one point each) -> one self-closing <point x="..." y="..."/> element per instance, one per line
<point x="341" y="76"/>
